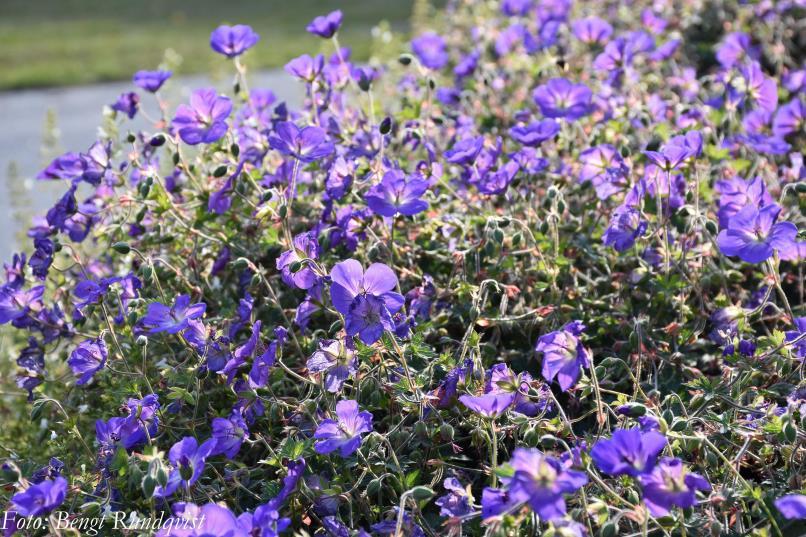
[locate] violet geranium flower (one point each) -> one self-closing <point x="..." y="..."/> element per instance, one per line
<point x="307" y="144"/>
<point x="187" y="458"/>
<point x="232" y="41"/>
<point x="792" y="506"/>
<point x="535" y="133"/>
<point x="366" y="299"/>
<point x="336" y="360"/>
<point x="87" y="359"/>
<point x="489" y="405"/>
<point x="305" y="247"/>
<point x="671" y="484"/>
<point x="431" y="50"/>
<point x="458" y="502"/>
<point x="343" y="434"/>
<point x="204" y="120"/>
<point x="151" y="81"/>
<point x="625" y="226"/>
<point x="326" y="26"/>
<point x="563" y="355"/>
<point x="629" y="451"/>
<point x="753" y="234"/>
<point x="396" y="195"/>
<point x="161" y="318"/>
<point x="41" y="498"/>
<point x="229" y="434"/>
<point x="560" y="98"/>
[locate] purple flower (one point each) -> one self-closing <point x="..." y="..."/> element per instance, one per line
<point x="40" y="499"/>
<point x="233" y="41"/>
<point x="502" y="380"/>
<point x="792" y="506"/>
<point x="188" y="459"/>
<point x="465" y="151"/>
<point x="127" y="103"/>
<point x="559" y="98"/>
<point x="326" y="26"/>
<point x="133" y="429"/>
<point x="535" y="133"/>
<point x="541" y="482"/>
<point x="458" y="502"/>
<point x="603" y="166"/>
<point x="671" y="484"/>
<point x="305" y="247"/>
<point x="592" y="30"/>
<point x="204" y="120"/>
<point x="228" y="434"/>
<point x="629" y="451"/>
<point x="736" y="48"/>
<point x="563" y="355"/>
<point x="790" y="118"/>
<point x="151" y="80"/>
<point x="431" y="50"/>
<point x="735" y="194"/>
<point x="336" y="360"/>
<point x="754" y="89"/>
<point x="792" y="335"/>
<point x="366" y="299"/>
<point x="345" y="433"/>
<point x="489" y="405"/>
<point x="308" y="144"/>
<point x="17" y="303"/>
<point x="306" y="67"/>
<point x="161" y="318"/>
<point x="69" y="166"/>
<point x="87" y="359"/>
<point x="625" y="226"/>
<point x="396" y="195"/>
<point x="211" y="519"/>
<point x="753" y="234"/>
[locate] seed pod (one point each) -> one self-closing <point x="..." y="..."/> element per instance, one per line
<point x="405" y="59"/>
<point x="121" y="247"/>
<point x="386" y="126"/>
<point x="235" y="150"/>
<point x="220" y="171"/>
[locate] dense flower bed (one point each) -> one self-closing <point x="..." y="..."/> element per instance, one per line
<point x="540" y="275"/>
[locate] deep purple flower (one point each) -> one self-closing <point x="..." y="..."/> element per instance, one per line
<point x="262" y="364"/>
<point x="17" y="303"/>
<point x="307" y="144"/>
<point x="790" y="118"/>
<point x="560" y="98"/>
<point x="431" y="50"/>
<point x="187" y="458"/>
<point x="233" y="41"/>
<point x="458" y="501"/>
<point x="754" y="89"/>
<point x="629" y="452"/>
<point x="792" y="506"/>
<point x="326" y="26"/>
<point x="792" y="335"/>
<point x="127" y="103"/>
<point x="564" y="356"/>
<point x="396" y="194"/>
<point x="671" y="484"/>
<point x="336" y="360"/>
<point x="204" y="120"/>
<point x="542" y="482"/>
<point x="151" y="80"/>
<point x="535" y="133"/>
<point x="305" y="247"/>
<point x="228" y="434"/>
<point x="343" y="434"/>
<point x="592" y="30"/>
<point x="161" y="318"/>
<point x="465" y="151"/>
<point x="753" y="234"/>
<point x="489" y="405"/>
<point x="625" y="226"/>
<point x="735" y="194"/>
<point x="87" y="359"/>
<point x="41" y="498"/>
<point x="69" y="166"/>
<point x="366" y="299"/>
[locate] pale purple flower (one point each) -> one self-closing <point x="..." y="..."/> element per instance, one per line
<point x="489" y="405"/>
<point x="603" y="166"/>
<point x="336" y="361"/>
<point x="173" y="319"/>
<point x="344" y="433"/>
<point x="535" y="133"/>
<point x="308" y="144"/>
<point x="41" y="498"/>
<point x="306" y="67"/>
<point x="790" y="118"/>
<point x="753" y="235"/>
<point x="326" y="26"/>
<point x="792" y="506"/>
<point x="629" y="451"/>
<point x="625" y="226"/>
<point x="151" y="81"/>
<point x="670" y="484"/>
<point x="127" y="103"/>
<point x="458" y="502"/>
<point x="564" y="356"/>
<point x="305" y="246"/>
<point x="228" y="434"/>
<point x="592" y="30"/>
<point x="87" y="359"/>
<point x="735" y="49"/>
<point x="431" y="50"/>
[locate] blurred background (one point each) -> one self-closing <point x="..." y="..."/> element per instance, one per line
<point x="62" y="61"/>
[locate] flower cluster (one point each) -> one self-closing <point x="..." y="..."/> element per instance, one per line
<point x="536" y="270"/>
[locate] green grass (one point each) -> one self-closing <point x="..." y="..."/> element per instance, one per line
<point x="62" y="42"/>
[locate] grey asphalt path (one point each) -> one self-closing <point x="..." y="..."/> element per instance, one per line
<point x="78" y="112"/>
